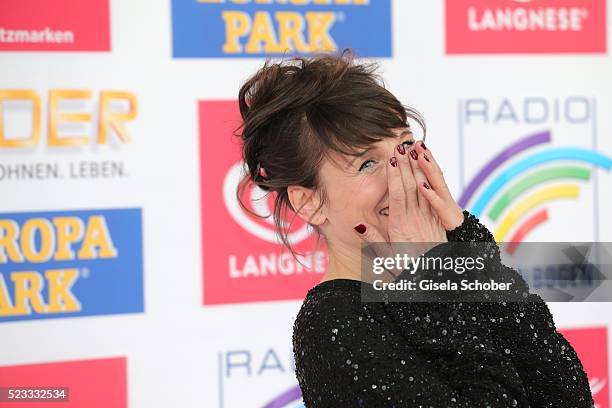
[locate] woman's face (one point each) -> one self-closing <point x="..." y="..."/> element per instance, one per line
<point x="357" y="190"/>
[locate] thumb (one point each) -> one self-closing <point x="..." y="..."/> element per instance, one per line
<point x="375" y="249"/>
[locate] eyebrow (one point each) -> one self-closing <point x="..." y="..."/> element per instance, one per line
<point x="366" y="151"/>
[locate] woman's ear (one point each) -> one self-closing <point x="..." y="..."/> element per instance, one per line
<point x="305" y="202"/>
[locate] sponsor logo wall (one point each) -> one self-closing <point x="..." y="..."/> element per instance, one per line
<point x="95" y="382"/>
<point x="61" y="264"/>
<point x="61" y="25"/>
<point x="544" y="154"/>
<point x="130" y="274"/>
<point x="259" y="28"/>
<point x="256" y="270"/>
<point x="591" y="345"/>
<point x="525" y="26"/>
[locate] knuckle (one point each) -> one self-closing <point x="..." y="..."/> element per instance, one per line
<point x="396" y="195"/>
<point x="432" y="197"/>
<point x="409" y="180"/>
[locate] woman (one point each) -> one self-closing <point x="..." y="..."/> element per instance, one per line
<point x="336" y="147"/>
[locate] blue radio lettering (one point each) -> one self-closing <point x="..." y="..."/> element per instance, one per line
<point x="248" y="363"/>
<point x="531" y="110"/>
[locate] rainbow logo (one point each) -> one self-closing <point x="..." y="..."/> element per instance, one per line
<point x="291" y="398"/>
<point x="523" y="185"/>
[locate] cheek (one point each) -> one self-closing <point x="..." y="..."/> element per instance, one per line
<point x="352" y="201"/>
<point x="370" y="192"/>
<point x="364" y="198"/>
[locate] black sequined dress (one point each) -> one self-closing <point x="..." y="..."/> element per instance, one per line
<point x="350" y="353"/>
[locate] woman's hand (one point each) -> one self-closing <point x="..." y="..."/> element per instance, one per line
<point x="436" y="191"/>
<point x="411" y="216"/>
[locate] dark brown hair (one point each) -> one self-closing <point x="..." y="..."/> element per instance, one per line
<point x="297" y="110"/>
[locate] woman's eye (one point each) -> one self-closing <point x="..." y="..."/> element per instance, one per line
<point x="408" y="143"/>
<point x="364" y="164"/>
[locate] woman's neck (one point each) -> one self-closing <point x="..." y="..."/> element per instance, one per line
<point x="344" y="263"/>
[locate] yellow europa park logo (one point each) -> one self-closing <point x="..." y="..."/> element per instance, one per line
<point x="308" y="32"/>
<point x="48" y="240"/>
<point x="247" y="28"/>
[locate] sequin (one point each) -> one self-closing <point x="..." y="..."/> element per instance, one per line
<point x="440" y="355"/>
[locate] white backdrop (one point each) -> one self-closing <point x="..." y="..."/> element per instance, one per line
<point x="180" y="352"/>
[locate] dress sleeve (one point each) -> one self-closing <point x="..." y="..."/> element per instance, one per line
<point x="353" y="354"/>
<point x="548" y="365"/>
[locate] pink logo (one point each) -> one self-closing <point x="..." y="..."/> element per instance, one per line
<point x="58" y="25"/>
<point x="591" y="345"/>
<point x="99" y="383"/>
<point x="525" y="26"/>
<point x="242" y="261"/>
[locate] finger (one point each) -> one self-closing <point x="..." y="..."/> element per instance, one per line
<point x="439" y="204"/>
<point x="397" y="199"/>
<point x="448" y="212"/>
<point x="432" y="171"/>
<point x="374" y="245"/>
<point x="408" y="181"/>
<point x="419" y="178"/>
<point x="400" y="213"/>
<point x="435" y="201"/>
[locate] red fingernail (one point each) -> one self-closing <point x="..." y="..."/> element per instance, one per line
<point x="393" y="161"/>
<point x="360" y="228"/>
<point x="414" y="154"/>
<point x="426" y="185"/>
<point x="423" y="144"/>
<point x="401" y="149"/>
